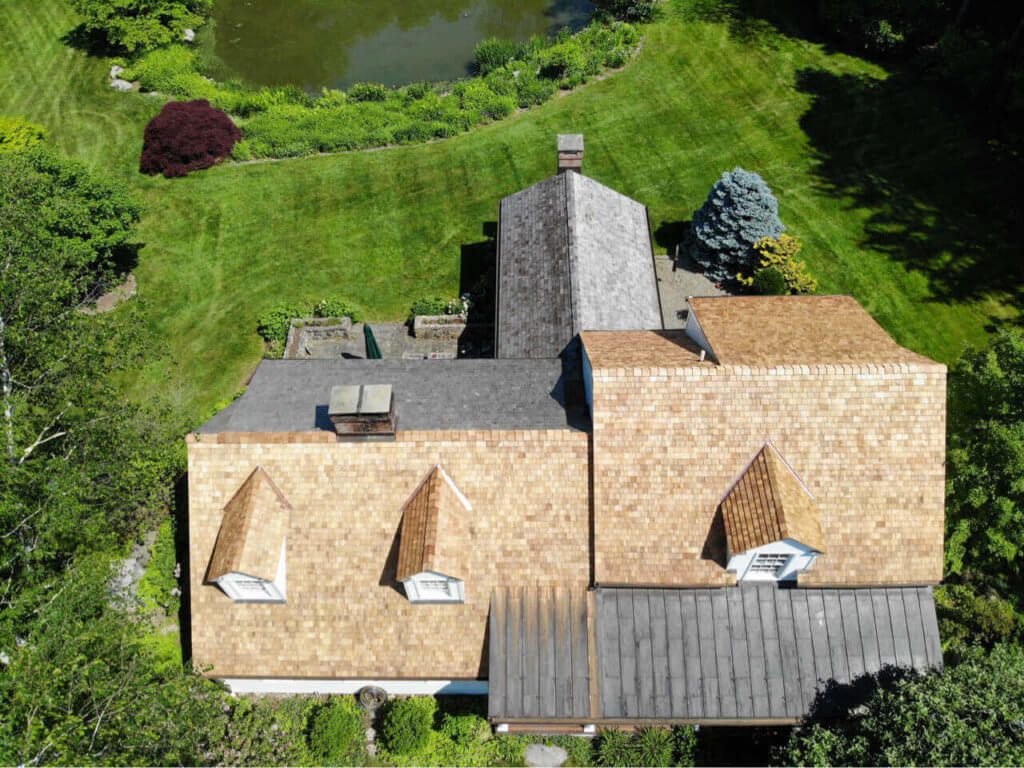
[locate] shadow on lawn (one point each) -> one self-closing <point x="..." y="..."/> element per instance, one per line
<point x="940" y="200"/>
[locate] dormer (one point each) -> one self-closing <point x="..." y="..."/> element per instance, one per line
<point x="432" y="523"/>
<point x="248" y="561"/>
<point x="772" y="524"/>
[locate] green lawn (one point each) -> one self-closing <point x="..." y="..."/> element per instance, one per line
<point x="897" y="202"/>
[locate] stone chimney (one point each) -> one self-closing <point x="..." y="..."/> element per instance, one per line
<point x="364" y="412"/>
<point x="570" y="152"/>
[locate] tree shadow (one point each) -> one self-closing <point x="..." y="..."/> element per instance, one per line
<point x="765" y="24"/>
<point x="835" y="700"/>
<point x="940" y="201"/>
<point x="91" y="42"/>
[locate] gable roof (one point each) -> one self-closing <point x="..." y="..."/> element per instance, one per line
<point x="573" y="255"/>
<point x="797" y="330"/>
<point x="252" y="531"/>
<point x="434" y="510"/>
<point x="768" y="503"/>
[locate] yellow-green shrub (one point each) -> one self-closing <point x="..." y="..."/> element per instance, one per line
<point x="778" y="254"/>
<point x="17" y="134"/>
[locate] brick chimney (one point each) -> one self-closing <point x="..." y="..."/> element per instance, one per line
<point x="363" y="412"/>
<point x="570" y="152"/>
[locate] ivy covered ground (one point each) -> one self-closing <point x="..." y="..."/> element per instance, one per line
<point x="897" y="200"/>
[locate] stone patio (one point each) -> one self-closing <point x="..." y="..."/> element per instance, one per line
<point x="678" y="279"/>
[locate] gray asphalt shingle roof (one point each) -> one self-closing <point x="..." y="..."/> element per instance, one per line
<point x="293" y="395"/>
<point x="573" y="255"/>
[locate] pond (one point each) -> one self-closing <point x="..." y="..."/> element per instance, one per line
<point x="334" y="43"/>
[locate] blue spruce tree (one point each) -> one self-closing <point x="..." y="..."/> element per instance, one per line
<point x="740" y="210"/>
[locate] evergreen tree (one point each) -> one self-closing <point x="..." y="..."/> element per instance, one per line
<point x="739" y="211"/>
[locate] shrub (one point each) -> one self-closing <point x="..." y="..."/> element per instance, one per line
<point x="769" y="281"/>
<point x="615" y="748"/>
<point x="337" y="307"/>
<point x="17" y="134"/>
<point x="406" y="724"/>
<point x="138" y="25"/>
<point x="187" y="136"/>
<point x="739" y="211"/>
<point x="435" y="305"/>
<point x="634" y="11"/>
<point x="778" y="255"/>
<point x="368" y="92"/>
<point x="531" y="89"/>
<point x="654" y="747"/>
<point x="509" y="750"/>
<point x="494" y="53"/>
<point x="481" y="102"/>
<point x="465" y="729"/>
<point x="564" y="61"/>
<point x="273" y="324"/>
<point x="338" y="735"/>
<point x="685" y="737"/>
<point x="419" y="90"/>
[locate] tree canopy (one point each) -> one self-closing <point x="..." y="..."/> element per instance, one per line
<point x="138" y="25"/>
<point x="970" y="714"/>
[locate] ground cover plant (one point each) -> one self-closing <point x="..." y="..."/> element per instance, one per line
<point x="187" y="136"/>
<point x="288" y="122"/>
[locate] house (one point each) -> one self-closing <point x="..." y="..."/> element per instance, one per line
<point x="708" y="525"/>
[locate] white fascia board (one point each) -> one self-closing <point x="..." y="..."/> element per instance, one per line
<point x="327" y="685"/>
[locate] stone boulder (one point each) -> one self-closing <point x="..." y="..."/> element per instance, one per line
<point x="120" y="85"/>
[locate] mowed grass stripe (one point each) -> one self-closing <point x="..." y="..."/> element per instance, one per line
<point x="892" y="195"/>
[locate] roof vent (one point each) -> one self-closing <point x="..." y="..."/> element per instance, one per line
<point x="570" y="152"/>
<point x="363" y="411"/>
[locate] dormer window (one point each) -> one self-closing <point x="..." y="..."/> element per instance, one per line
<point x="249" y="559"/>
<point x="434" y="588"/>
<point x="768" y="563"/>
<point x="433" y="530"/>
<point x="772" y="524"/>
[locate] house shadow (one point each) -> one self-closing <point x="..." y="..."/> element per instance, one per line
<point x="477" y="273"/>
<point x="389" y="576"/>
<point x="181" y="551"/>
<point x="715" y="543"/>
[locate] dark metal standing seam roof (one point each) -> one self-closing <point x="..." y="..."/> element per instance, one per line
<point x="539" y="663"/>
<point x="752" y="651"/>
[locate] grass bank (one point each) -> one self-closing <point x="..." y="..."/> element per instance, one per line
<point x="898" y="201"/>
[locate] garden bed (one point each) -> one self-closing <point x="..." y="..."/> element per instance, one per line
<point x="288" y="122"/>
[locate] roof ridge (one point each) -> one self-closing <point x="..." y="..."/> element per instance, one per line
<point x="572" y="254"/>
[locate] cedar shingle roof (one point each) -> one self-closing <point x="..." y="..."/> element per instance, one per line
<point x="434" y="510"/>
<point x="573" y="255"/>
<point x="252" y="531"/>
<point x="797" y="330"/>
<point x="768" y="503"/>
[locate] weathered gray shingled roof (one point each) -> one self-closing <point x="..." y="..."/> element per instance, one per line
<point x="573" y="255"/>
<point x="292" y="395"/>
<point x="752" y="651"/>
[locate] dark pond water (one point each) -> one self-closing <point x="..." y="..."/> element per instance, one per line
<point x="334" y="43"/>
